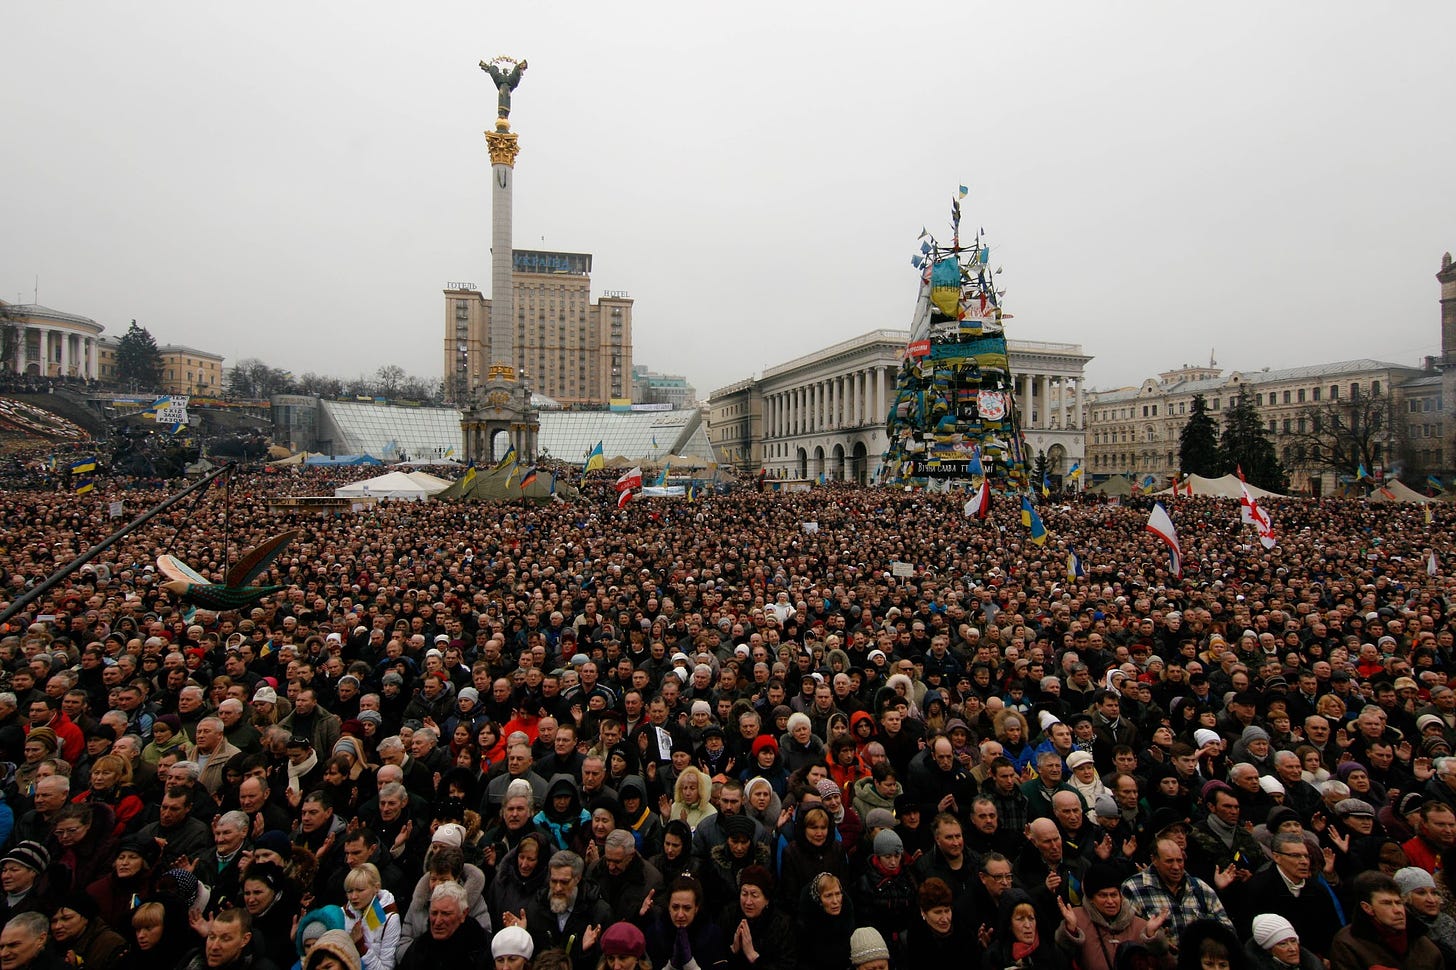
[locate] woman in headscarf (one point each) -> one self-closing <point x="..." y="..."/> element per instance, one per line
<point x="1092" y="932"/>
<point x="762" y="803"/>
<point x="129" y="880"/>
<point x="1084" y="778"/>
<point x="518" y="877"/>
<point x="1018" y="941"/>
<point x="167" y="735"/>
<point x="826" y="917"/>
<point x="690" y="794"/>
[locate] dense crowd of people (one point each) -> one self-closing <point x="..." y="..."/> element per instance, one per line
<point x="811" y="731"/>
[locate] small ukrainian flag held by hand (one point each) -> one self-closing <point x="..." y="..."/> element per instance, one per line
<point x="375" y="917"/>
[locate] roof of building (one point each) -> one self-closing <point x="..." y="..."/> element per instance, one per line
<point x="387" y="431"/>
<point x="39" y="312"/>
<point x="183" y="349"/>
<point x="1304" y="373"/>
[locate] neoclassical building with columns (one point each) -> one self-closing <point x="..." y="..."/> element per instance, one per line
<point x="53" y="343"/>
<point x="824" y="413"/>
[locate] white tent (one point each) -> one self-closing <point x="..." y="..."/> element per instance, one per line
<point x="1397" y="491"/>
<point x="413" y="487"/>
<point x="1225" y="487"/>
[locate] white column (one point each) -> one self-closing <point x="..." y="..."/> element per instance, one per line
<point x="65" y="354"/>
<point x="1045" y="403"/>
<point x="831" y="400"/>
<point x="1026" y="400"/>
<point x="20" y="360"/>
<point x="1080" y="404"/>
<point x="878" y="374"/>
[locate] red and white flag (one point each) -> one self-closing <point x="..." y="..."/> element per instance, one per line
<point x="1251" y="514"/>
<point x="980" y="504"/>
<point x="1160" y="525"/>
<point x="625" y="497"/>
<point x="631" y="478"/>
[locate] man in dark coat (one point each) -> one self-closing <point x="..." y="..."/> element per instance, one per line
<point x="1289" y="889"/>
<point x="564" y="908"/>
<point x="454" y="940"/>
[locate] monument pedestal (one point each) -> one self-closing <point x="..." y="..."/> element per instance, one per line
<point x="503" y="404"/>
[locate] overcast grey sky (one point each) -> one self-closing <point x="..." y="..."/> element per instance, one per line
<point x="297" y="182"/>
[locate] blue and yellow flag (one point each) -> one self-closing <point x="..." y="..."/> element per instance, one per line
<point x="1434" y="482"/>
<point x="1361" y="472"/>
<point x="1046" y="486"/>
<point x="595" y="460"/>
<point x="1076" y="471"/>
<point x="1074" y="566"/>
<point x="84" y="485"/>
<point x="1032" y="521"/>
<point x="509" y="458"/>
<point x="662" y="479"/>
<point x="375" y="917"/>
<point x="83" y="466"/>
<point x="469" y="475"/>
<point x="450" y="452"/>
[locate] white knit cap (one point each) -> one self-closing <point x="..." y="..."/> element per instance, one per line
<point x="1271" y="929"/>
<point x="449" y="834"/>
<point x="1204" y="736"/>
<point x="512" y="941"/>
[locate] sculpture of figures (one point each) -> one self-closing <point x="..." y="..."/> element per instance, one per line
<point x="505" y="81"/>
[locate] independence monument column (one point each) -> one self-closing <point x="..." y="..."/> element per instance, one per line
<point x="505" y="405"/>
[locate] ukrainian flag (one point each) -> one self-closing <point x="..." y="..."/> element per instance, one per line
<point x="83" y="466"/>
<point x="84" y="485"/>
<point x="1361" y="472"/>
<point x="469" y="475"/>
<point x="375" y="917"/>
<point x="595" y="460"/>
<point x="450" y="452"/>
<point x="509" y="458"/>
<point x="1032" y="521"/>
<point x="1076" y="472"/>
<point x="1074" y="566"/>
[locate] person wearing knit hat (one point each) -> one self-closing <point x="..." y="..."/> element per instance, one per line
<point x="512" y="948"/>
<point x="1425" y="905"/>
<point x="1106" y="808"/>
<point x="887" y="843"/>
<point x="878" y="818"/>
<point x="450" y="834"/>
<point x="20" y="872"/>
<point x="624" y="940"/>
<point x="1107" y="919"/>
<point x="1203" y="737"/>
<point x="333" y="950"/>
<point x="273" y="846"/>
<point x="1274" y="943"/>
<point x="867" y="949"/>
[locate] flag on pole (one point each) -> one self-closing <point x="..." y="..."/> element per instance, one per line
<point x="595" y="460"/>
<point x="450" y="452"/>
<point x="84" y="485"/>
<point x="624" y="498"/>
<point x="1076" y="471"/>
<point x="1431" y="565"/>
<point x="980" y="504"/>
<point x="964" y="191"/>
<point x="376" y="915"/>
<point x="1074" y="567"/>
<point x="83" y="466"/>
<point x="1032" y="521"/>
<point x="1046" y="486"/>
<point x="508" y="458"/>
<point x="1251" y="514"/>
<point x="1430" y="516"/>
<point x="662" y="479"/>
<point x="631" y="478"/>
<point x="1361" y="472"/>
<point x="468" y="477"/>
<point x="1160" y="525"/>
<point x="528" y="477"/>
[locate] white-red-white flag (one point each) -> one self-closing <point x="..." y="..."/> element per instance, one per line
<point x="1160" y="525"/>
<point x="625" y="497"/>
<point x="631" y="478"/>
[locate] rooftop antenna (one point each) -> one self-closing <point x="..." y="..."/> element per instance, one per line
<point x="1211" y="361"/>
<point x="36" y="298"/>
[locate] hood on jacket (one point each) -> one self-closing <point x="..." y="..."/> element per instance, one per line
<point x="330" y="917"/>
<point x="562" y="785"/>
<point x="337" y="944"/>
